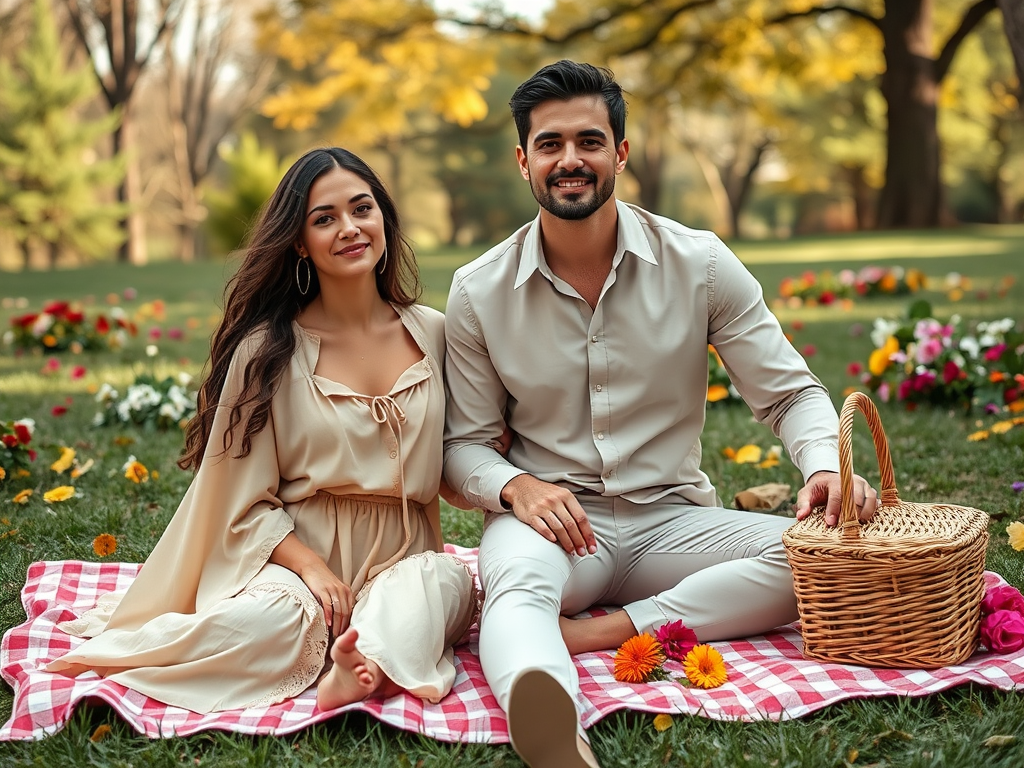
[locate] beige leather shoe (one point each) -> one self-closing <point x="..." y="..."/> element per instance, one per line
<point x="543" y="724"/>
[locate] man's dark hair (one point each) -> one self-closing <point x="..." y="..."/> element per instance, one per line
<point x="566" y="80"/>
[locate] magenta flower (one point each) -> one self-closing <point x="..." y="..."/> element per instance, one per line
<point x="1004" y="598"/>
<point x="676" y="640"/>
<point x="1003" y="631"/>
<point x="1018" y="486"/>
<point x="995" y="353"/>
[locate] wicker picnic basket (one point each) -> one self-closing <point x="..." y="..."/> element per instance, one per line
<point x="903" y="590"/>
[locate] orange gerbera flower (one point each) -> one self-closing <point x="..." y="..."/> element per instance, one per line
<point x="638" y="658"/>
<point x="705" y="667"/>
<point x="104" y="545"/>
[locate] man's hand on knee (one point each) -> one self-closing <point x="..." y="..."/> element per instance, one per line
<point x="551" y="511"/>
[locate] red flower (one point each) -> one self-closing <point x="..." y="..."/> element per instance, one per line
<point x="32" y="455"/>
<point x="74" y="317"/>
<point x="676" y="640"/>
<point x="78" y="372"/>
<point x="58" y="410"/>
<point x="854" y="368"/>
<point x="951" y="372"/>
<point x="23" y="433"/>
<point x="810" y="350"/>
<point x="798" y="325"/>
<point x="10" y="440"/>
<point x="56" y="308"/>
<point x="827" y="297"/>
<point x="1003" y="631"/>
<point x="25" y="321"/>
<point x="102" y="325"/>
<point x="1010" y="395"/>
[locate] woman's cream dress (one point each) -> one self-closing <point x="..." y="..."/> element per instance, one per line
<point x="210" y="624"/>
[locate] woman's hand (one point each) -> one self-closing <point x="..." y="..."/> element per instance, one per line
<point x="332" y="593"/>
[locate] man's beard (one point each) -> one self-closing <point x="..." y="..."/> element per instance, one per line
<point x="583" y="206"/>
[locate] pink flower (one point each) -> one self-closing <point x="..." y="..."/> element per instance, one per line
<point x="995" y="353"/>
<point x="1003" y="598"/>
<point x="854" y="368"/>
<point x="78" y="372"/>
<point x="1003" y="631"/>
<point x="129" y="294"/>
<point x="676" y="640"/>
<point x="884" y="392"/>
<point x="175" y="334"/>
<point x="928" y="350"/>
<point x="155" y="333"/>
<point x="52" y="365"/>
<point x="809" y="350"/>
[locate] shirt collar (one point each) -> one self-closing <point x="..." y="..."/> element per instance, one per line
<point x="630" y="239"/>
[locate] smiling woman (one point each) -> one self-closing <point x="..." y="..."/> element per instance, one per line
<point x="312" y="525"/>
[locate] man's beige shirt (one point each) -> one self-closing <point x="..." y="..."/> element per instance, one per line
<point x="612" y="399"/>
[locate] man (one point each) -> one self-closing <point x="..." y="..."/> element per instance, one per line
<point x="586" y="332"/>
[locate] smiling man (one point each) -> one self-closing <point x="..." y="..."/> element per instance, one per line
<point x="586" y="332"/>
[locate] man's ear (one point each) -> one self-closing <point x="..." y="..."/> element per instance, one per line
<point x="524" y="167"/>
<point x="621" y="153"/>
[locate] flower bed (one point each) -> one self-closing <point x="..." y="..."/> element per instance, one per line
<point x="62" y="326"/>
<point x="926" y="360"/>
<point x="149" y="403"/>
<point x="827" y="287"/>
<point x="15" y="455"/>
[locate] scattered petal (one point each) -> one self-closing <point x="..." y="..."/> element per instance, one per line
<point x="135" y="471"/>
<point x="104" y="545"/>
<point x="67" y="458"/>
<point x="1001" y="427"/>
<point x="748" y="454"/>
<point x="60" y="493"/>
<point x="1015" y="532"/>
<point x="981" y="434"/>
<point x="22" y="496"/>
<point x="662" y="722"/>
<point x="999" y="741"/>
<point x="717" y="392"/>
<point x="81" y="469"/>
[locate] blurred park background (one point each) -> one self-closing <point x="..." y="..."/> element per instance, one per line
<point x="152" y="130"/>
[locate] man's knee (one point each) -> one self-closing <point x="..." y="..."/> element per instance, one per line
<point x="506" y="574"/>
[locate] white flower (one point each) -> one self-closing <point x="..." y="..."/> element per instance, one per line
<point x="170" y="411"/>
<point x="42" y="324"/>
<point x="124" y="411"/>
<point x="883" y="330"/>
<point x="106" y="393"/>
<point x="142" y="396"/>
<point x="184" y="379"/>
<point x="988" y="340"/>
<point x="131" y="460"/>
<point x="152" y="350"/>
<point x="118" y="314"/>
<point x="118" y="339"/>
<point x="1001" y="326"/>
<point x="970" y="346"/>
<point x="98" y="419"/>
<point x="9" y="338"/>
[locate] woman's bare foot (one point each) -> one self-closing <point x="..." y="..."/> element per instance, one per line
<point x="353" y="676"/>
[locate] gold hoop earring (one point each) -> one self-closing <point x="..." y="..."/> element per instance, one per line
<point x="298" y="278"/>
<point x="383" y="261"/>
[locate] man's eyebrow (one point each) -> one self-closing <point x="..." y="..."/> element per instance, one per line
<point x="596" y="133"/>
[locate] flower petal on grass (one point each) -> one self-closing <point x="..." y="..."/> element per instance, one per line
<point x="104" y="545"/>
<point x="1015" y="532"/>
<point x="662" y="722"/>
<point x="82" y="469"/>
<point x="60" y="493"/>
<point x="981" y="434"/>
<point x="748" y="454"/>
<point x="67" y="458"/>
<point x="22" y="496"/>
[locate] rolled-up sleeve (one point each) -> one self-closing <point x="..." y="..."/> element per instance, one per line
<point x="474" y="414"/>
<point x="769" y="373"/>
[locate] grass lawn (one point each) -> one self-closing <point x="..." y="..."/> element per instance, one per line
<point x="932" y="457"/>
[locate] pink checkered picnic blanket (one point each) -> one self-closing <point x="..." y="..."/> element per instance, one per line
<point x="768" y="678"/>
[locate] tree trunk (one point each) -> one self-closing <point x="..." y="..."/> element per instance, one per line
<point x="912" y="195"/>
<point x="1013" y="23"/>
<point x="738" y="188"/>
<point x="133" y="249"/>
<point x="862" y="195"/>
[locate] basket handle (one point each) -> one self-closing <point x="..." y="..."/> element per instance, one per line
<point x="848" y="519"/>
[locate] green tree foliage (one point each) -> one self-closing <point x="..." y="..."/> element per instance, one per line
<point x="51" y="180"/>
<point x="252" y="174"/>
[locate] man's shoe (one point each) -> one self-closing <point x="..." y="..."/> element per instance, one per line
<point x="543" y="724"/>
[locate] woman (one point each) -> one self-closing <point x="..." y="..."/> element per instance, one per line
<point x="317" y="449"/>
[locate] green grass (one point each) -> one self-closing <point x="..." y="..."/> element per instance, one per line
<point x="932" y="457"/>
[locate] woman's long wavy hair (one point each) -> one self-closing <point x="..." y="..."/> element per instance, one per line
<point x="264" y="294"/>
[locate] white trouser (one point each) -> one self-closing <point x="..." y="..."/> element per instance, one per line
<point x="723" y="572"/>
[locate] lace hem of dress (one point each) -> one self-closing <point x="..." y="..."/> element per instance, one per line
<point x="314" y="646"/>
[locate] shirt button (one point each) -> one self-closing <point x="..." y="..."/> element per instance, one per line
<point x="600" y="435"/>
<point x="594" y="339"/>
<point x="599" y="387"/>
<point x="394" y="454"/>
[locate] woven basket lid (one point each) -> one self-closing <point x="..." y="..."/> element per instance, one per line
<point x="898" y="528"/>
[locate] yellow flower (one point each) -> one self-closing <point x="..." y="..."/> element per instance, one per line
<point x="1001" y="427"/>
<point x="104" y="545"/>
<point x="705" y="667"/>
<point x="136" y="471"/>
<point x="102" y="731"/>
<point x="81" y="470"/>
<point x="22" y="497"/>
<point x="772" y="459"/>
<point x="67" y="458"/>
<point x="22" y="473"/>
<point x="1015" y="531"/>
<point x="3" y="473"/>
<point x="981" y="434"/>
<point x="717" y="392"/>
<point x="879" y="359"/>
<point x="748" y="454"/>
<point x="637" y="658"/>
<point x="662" y="722"/>
<point x="60" y="493"/>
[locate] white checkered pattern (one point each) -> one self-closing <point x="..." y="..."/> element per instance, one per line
<point x="768" y="678"/>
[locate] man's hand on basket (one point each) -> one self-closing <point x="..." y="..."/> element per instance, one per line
<point x="823" y="489"/>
